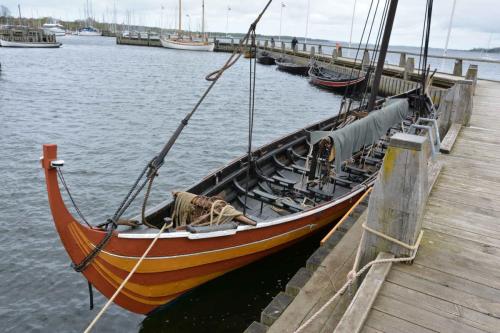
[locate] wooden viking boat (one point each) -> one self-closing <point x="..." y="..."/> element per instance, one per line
<point x="256" y="205"/>
<point x="328" y="79"/>
<point x="286" y="200"/>
<point x="287" y="65"/>
<point x="265" y="58"/>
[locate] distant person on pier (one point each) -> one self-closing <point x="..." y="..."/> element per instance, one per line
<point x="294" y="43"/>
<point x="272" y="42"/>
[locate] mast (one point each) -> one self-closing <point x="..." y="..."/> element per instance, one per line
<point x="307" y="19"/>
<point x="180" y="17"/>
<point x="352" y="22"/>
<point x="203" y="19"/>
<point x="382" y="54"/>
<point x="449" y="28"/>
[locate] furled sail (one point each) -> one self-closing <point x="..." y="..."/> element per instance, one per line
<point x="366" y="131"/>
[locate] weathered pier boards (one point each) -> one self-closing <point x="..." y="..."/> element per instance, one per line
<point x="453" y="283"/>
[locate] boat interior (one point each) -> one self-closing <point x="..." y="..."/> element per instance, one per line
<point x="285" y="177"/>
<point x="327" y="74"/>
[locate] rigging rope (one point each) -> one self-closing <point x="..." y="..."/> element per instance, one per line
<point x="251" y="112"/>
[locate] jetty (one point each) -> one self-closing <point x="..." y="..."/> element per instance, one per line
<point x="443" y="207"/>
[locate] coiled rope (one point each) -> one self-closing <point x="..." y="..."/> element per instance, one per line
<point x="353" y="274"/>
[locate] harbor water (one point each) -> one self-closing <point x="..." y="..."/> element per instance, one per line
<point x="110" y="108"/>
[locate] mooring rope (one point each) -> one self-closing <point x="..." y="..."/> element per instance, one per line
<point x="112" y="298"/>
<point x="353" y="274"/>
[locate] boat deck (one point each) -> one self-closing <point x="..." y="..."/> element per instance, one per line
<point x="454" y="282"/>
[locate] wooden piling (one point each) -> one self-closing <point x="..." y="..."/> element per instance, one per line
<point x="398" y="198"/>
<point x="457" y="67"/>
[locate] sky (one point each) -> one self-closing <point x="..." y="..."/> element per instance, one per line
<point x="475" y="23"/>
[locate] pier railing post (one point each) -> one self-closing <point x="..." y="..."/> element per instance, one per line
<point x="366" y="60"/>
<point x="457" y="67"/>
<point x="398" y="198"/>
<point x="409" y="68"/>
<point x="313" y="52"/>
<point x="471" y="74"/>
<point x="456" y="106"/>
<point x="402" y="60"/>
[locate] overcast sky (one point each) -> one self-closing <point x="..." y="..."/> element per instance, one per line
<point x="475" y="22"/>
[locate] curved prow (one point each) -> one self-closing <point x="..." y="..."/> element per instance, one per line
<point x="63" y="219"/>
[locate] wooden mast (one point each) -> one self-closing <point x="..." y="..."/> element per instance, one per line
<point x="383" y="52"/>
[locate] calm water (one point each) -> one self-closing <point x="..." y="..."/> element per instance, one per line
<point x="110" y="108"/>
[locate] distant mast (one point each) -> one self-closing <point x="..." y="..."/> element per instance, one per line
<point x="180" y="17"/>
<point x="203" y="19"/>
<point x="449" y="28"/>
<point x="352" y="22"/>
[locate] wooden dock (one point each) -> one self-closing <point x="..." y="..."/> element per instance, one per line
<point x="453" y="285"/>
<point x="454" y="282"/>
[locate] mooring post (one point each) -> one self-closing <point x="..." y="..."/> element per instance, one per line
<point x="409" y="68"/>
<point x="258" y="43"/>
<point x="402" y="60"/>
<point x="339" y="51"/>
<point x="471" y="74"/>
<point x="273" y="44"/>
<point x="456" y="106"/>
<point x="398" y="198"/>
<point x="457" y="68"/>
<point x="320" y="49"/>
<point x="365" y="62"/>
<point x="266" y="44"/>
<point x="304" y="47"/>
<point x="282" y="47"/>
<point x="313" y="51"/>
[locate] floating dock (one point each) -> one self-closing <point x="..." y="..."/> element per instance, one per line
<point x="453" y="284"/>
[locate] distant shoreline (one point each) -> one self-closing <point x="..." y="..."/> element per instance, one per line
<point x="492" y="50"/>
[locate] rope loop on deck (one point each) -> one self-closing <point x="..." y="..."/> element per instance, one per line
<point x="353" y="274"/>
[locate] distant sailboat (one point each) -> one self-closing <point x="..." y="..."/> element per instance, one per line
<point x="182" y="43"/>
<point x="89" y="30"/>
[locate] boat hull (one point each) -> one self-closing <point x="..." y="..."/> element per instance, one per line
<point x="179" y="261"/>
<point x="5" y="43"/>
<point x="266" y="60"/>
<point x="335" y="85"/>
<point x="89" y="33"/>
<point x="187" y="45"/>
<point x="292" y="68"/>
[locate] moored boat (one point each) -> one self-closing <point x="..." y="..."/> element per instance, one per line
<point x="265" y="58"/>
<point x="26" y="44"/>
<point x="186" y="43"/>
<point x="89" y="31"/>
<point x="287" y="65"/>
<point x="328" y="79"/>
<point x="258" y="204"/>
<point x="54" y="28"/>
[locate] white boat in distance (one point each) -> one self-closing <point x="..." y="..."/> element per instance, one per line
<point x="6" y="43"/>
<point x="187" y="44"/>
<point x="54" y="28"/>
<point x="89" y="31"/>
<point x="181" y="43"/>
